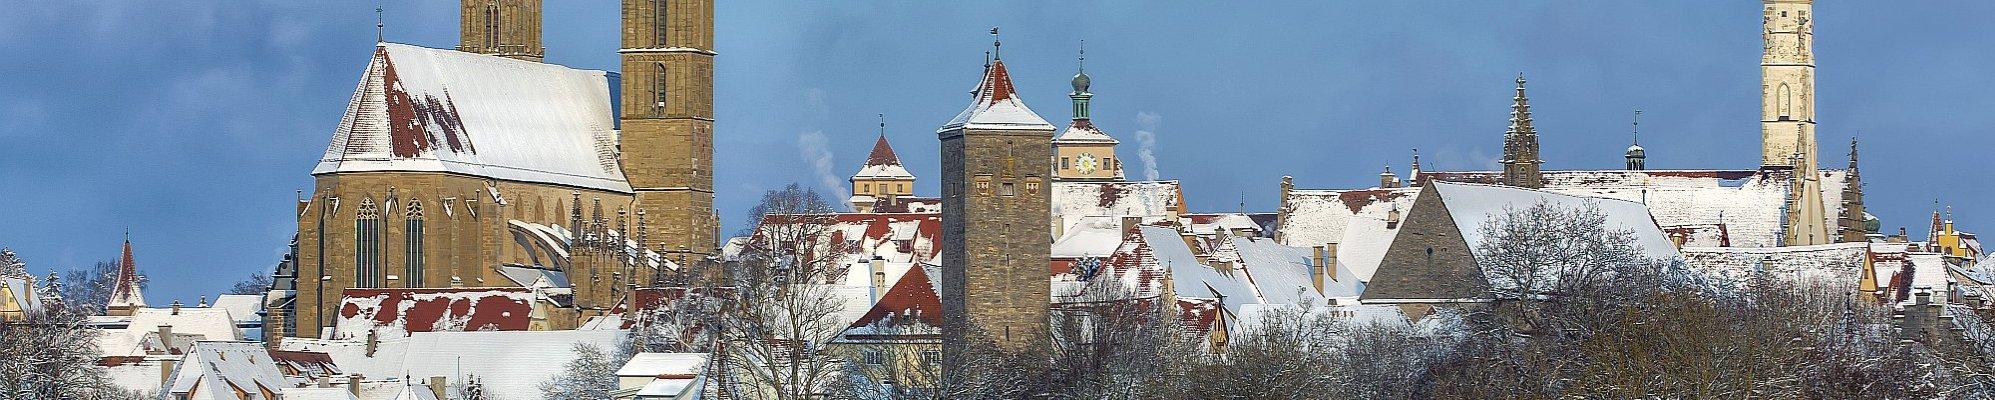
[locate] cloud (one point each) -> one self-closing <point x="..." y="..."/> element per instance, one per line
<point x="816" y="151"/>
<point x="1146" y="141"/>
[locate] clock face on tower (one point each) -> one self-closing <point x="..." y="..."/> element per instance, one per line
<point x="1086" y="163"/>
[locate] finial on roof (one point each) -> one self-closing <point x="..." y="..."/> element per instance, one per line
<point x="1081" y="80"/>
<point x="883" y="124"/>
<point x="1084" y="55"/>
<point x="1637" y="127"/>
<point x="996" y="45"/>
<point x="379" y="26"/>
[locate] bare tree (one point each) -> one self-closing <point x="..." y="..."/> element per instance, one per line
<point x="88" y="290"/>
<point x="772" y="339"/>
<point x="50" y="354"/>
<point x="590" y="375"/>
<point x="256" y="283"/>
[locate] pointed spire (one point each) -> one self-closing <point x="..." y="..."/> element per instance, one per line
<point x="997" y="46"/>
<point x="1520" y="144"/>
<point x="883" y="154"/>
<point x="125" y="291"/>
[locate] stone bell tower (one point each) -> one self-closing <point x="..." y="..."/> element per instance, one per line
<point x="505" y="28"/>
<point x="667" y="122"/>
<point x="1787" y="115"/>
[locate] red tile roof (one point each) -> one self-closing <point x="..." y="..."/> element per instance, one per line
<point x="913" y="296"/>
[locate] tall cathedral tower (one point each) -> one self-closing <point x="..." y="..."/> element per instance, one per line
<point x="996" y="156"/>
<point x="1787" y="115"/>
<point x="667" y="121"/>
<point x="1787" y="83"/>
<point x="505" y="28"/>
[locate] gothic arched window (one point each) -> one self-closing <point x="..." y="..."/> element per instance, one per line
<point x="412" y="231"/>
<point x="367" y="245"/>
<point x="492" y="25"/>
<point x="658" y="80"/>
<point x="1784" y="101"/>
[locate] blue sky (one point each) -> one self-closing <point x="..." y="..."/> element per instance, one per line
<point x="192" y="123"/>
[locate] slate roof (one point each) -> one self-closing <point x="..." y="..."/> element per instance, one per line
<point x="432" y="110"/>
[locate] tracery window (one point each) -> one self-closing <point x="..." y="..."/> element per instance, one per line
<point x="412" y="231"/>
<point x="367" y="245"/>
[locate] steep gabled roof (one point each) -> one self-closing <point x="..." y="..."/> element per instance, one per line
<point x="431" y="110"/>
<point x="216" y="369"/>
<point x="996" y="106"/>
<point x="882" y="163"/>
<point x="913" y="298"/>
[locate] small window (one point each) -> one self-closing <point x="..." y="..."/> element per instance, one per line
<point x="900" y="188"/>
<point x="1064" y="164"/>
<point x="874" y="357"/>
<point x="866" y="188"/>
<point x="932" y="357"/>
<point x="1008" y="189"/>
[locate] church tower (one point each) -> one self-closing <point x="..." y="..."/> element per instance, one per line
<point x="505" y="28"/>
<point x="995" y="210"/>
<point x="1787" y="116"/>
<point x="667" y="122"/>
<point x="1520" y="144"/>
<point x="1085" y="152"/>
<point x="1787" y="82"/>
<point x="1638" y="157"/>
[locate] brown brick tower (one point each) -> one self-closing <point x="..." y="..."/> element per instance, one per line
<point x="505" y="28"/>
<point x="667" y="120"/>
<point x="995" y="159"/>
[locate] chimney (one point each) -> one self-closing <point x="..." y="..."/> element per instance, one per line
<point x="1330" y="266"/>
<point x="166" y="338"/>
<point x="373" y="341"/>
<point x="323" y="382"/>
<point x="203" y="303"/>
<point x="1392" y="218"/>
<point x="1129" y="223"/>
<point x="436" y="386"/>
<point x="166" y="372"/>
<point x="353" y="385"/>
<point x="176" y="306"/>
<point x="877" y="268"/>
<point x="1317" y="265"/>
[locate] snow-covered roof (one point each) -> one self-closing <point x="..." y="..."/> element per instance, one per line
<point x="1471" y="204"/>
<point x="125" y="288"/>
<point x="432" y="110"/>
<point x="1448" y="277"/>
<point x="1278" y="272"/>
<point x="673" y="373"/>
<point x="882" y="163"/>
<point x="996" y="106"/>
<point x="390" y="312"/>
<point x="510" y="364"/>
<point x="243" y="307"/>
<point x="1089" y="237"/>
<point x="1083" y="131"/>
<point x="316" y="393"/>
<point x="206" y="323"/>
<point x="216" y="370"/>
<point x="1354" y="219"/>
<point x="1710" y="208"/>
<point x="21" y="292"/>
<point x="1073" y="201"/>
<point x="911" y="303"/>
<point x="1839" y="264"/>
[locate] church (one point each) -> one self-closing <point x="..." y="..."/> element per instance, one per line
<point x="1788" y="200"/>
<point x="483" y="167"/>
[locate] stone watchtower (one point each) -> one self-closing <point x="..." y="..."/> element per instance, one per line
<point x="667" y="121"/>
<point x="996" y="156"/>
<point x="1787" y="115"/>
<point x="505" y="28"/>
